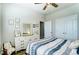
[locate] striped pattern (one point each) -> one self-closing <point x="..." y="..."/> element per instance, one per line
<point x="58" y="47"/>
<point x="36" y="46"/>
<point x="31" y="44"/>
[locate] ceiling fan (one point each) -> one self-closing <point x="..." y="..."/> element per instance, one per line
<point x="53" y="4"/>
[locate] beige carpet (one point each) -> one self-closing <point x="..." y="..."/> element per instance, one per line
<point x="20" y="52"/>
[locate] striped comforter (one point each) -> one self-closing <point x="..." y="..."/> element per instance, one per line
<point x="49" y="47"/>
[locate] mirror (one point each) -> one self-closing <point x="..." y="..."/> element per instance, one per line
<point x="27" y="29"/>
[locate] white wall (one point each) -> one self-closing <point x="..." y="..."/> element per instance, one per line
<point x="63" y="13"/>
<point x="25" y="14"/>
<point x="0" y="25"/>
<point x="78" y="26"/>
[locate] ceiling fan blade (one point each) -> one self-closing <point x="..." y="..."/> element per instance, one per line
<point x="37" y="3"/>
<point x="45" y="6"/>
<point x="54" y="4"/>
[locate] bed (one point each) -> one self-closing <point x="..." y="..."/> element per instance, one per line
<point x="51" y="46"/>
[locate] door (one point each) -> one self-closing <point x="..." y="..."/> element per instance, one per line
<point x="66" y="27"/>
<point x="71" y="27"/>
<point x="41" y="30"/>
<point x="59" y="28"/>
<point x="48" y="29"/>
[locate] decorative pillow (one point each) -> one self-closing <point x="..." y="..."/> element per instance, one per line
<point x="74" y="44"/>
<point x="7" y="45"/>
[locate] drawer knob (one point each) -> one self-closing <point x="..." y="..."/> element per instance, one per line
<point x="22" y="44"/>
<point x="22" y="47"/>
<point x="22" y="41"/>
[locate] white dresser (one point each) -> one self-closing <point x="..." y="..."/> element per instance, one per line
<point x="20" y="31"/>
<point x="22" y="42"/>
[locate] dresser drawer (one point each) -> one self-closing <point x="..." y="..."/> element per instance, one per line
<point x="17" y="48"/>
<point x="22" y="47"/>
<point x="21" y="42"/>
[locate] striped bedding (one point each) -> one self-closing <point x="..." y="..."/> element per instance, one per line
<point x="58" y="49"/>
<point x="49" y="47"/>
<point x="31" y="45"/>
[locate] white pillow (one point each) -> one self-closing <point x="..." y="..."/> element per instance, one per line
<point x="74" y="44"/>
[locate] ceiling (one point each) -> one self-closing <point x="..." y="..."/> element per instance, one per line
<point x="39" y="7"/>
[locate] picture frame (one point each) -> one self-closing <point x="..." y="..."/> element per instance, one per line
<point x="35" y="25"/>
